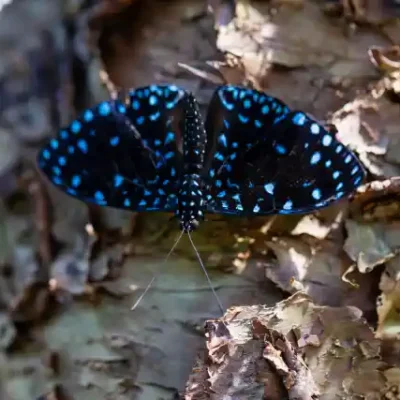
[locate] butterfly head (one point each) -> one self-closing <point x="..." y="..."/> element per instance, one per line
<point x="189" y="225"/>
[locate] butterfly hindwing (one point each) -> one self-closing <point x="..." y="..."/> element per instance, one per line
<point x="121" y="155"/>
<point x="298" y="167"/>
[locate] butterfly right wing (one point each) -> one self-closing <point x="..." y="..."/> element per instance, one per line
<point x="122" y="156"/>
<point x="297" y="166"/>
<point x="312" y="172"/>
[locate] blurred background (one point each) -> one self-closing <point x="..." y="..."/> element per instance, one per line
<point x="70" y="272"/>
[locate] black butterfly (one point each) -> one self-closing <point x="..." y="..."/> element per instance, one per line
<point x="253" y="156"/>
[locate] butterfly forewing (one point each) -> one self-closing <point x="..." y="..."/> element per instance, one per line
<point x="122" y="155"/>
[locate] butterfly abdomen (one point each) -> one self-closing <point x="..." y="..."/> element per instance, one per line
<point x="191" y="202"/>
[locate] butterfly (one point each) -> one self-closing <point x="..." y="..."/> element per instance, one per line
<point x="251" y="155"/>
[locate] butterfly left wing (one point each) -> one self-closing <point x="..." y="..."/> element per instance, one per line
<point x="293" y="166"/>
<point x="121" y="155"/>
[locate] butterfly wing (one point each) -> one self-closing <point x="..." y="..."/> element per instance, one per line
<point x="121" y="155"/>
<point x="292" y="165"/>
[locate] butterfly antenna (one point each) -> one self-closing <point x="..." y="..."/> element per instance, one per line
<point x="207" y="276"/>
<point x="106" y="81"/>
<point x="155" y="276"/>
